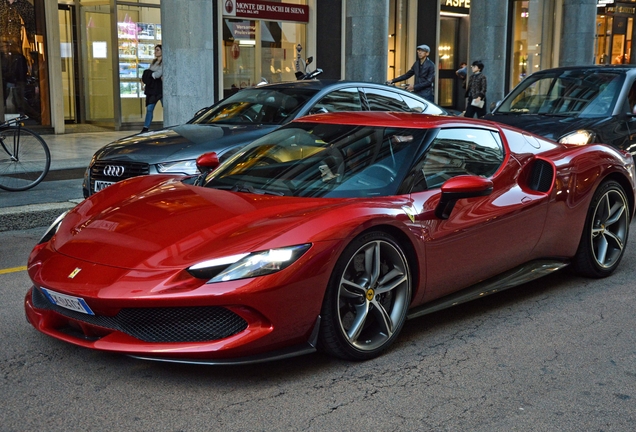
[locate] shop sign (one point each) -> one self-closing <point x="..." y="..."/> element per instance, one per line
<point x="457" y="6"/>
<point x="456" y="3"/>
<point x="621" y="10"/>
<point x="253" y="9"/>
<point x="242" y="29"/>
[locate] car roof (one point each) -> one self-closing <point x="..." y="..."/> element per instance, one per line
<point x="395" y="119"/>
<point x="317" y="84"/>
<point x="327" y="84"/>
<point x="630" y="69"/>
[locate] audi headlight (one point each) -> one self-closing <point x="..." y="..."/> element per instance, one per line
<point x="180" y="167"/>
<point x="52" y="229"/>
<point x="245" y="266"/>
<point x="579" y="137"/>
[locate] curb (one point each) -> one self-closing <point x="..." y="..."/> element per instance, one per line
<point x="32" y="215"/>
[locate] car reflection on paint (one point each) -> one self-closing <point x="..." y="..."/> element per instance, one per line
<point x="237" y="120"/>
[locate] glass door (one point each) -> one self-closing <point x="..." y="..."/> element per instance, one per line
<point x="68" y="46"/>
<point x="398" y="26"/>
<point x="98" y="64"/>
<point x="138" y="32"/>
<point x="448" y="63"/>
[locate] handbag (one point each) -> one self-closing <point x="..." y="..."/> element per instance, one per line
<point x="477" y="103"/>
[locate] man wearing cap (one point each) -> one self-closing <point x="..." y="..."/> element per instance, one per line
<point x="424" y="71"/>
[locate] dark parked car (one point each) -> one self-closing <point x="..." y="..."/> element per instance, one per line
<point x="579" y="105"/>
<point x="238" y="120"/>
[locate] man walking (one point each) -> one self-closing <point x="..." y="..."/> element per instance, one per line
<point x="424" y="71"/>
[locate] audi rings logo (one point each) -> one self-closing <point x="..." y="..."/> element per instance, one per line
<point x="113" y="170"/>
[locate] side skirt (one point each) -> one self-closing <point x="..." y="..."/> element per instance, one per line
<point x="510" y="279"/>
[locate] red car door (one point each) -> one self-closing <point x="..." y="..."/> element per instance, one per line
<point x="483" y="236"/>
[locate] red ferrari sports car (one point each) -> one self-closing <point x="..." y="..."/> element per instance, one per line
<point x="326" y="234"/>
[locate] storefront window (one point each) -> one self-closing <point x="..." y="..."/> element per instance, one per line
<point x="532" y="45"/>
<point x="138" y="32"/>
<point x="23" y="61"/>
<point x="613" y="39"/>
<point x="279" y="41"/>
<point x="260" y="51"/>
<point x="263" y="50"/>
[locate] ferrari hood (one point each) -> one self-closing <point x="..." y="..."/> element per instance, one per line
<point x="181" y="142"/>
<point x="552" y="127"/>
<point x="170" y="224"/>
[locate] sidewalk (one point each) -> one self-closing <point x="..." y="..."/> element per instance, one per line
<point x="62" y="187"/>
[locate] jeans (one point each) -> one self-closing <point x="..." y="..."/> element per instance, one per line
<point x="471" y="110"/>
<point x="150" y="109"/>
<point x="427" y="94"/>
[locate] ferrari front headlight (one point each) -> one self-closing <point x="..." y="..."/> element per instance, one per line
<point x="180" y="167"/>
<point x="245" y="266"/>
<point x="579" y="137"/>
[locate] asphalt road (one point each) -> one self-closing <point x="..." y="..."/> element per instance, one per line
<point x="558" y="354"/>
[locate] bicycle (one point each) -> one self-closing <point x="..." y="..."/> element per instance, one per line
<point x="25" y="158"/>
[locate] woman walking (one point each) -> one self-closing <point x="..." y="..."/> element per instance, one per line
<point x="476" y="91"/>
<point x="153" y="86"/>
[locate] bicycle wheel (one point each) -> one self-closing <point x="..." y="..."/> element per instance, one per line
<point x="24" y="159"/>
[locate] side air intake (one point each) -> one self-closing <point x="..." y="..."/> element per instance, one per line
<point x="541" y="176"/>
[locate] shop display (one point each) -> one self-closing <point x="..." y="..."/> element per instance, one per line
<point x="136" y="46"/>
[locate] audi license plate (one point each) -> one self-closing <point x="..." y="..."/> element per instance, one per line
<point x="100" y="184"/>
<point x="76" y="304"/>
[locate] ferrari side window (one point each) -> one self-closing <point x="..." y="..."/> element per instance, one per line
<point x="460" y="151"/>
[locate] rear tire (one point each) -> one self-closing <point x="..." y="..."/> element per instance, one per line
<point x="605" y="232"/>
<point x="367" y="298"/>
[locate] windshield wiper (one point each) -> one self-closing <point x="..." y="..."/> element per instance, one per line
<point x="244" y="187"/>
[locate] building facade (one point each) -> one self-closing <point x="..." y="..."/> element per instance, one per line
<point x="80" y="61"/>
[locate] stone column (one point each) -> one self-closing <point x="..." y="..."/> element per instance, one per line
<point x="367" y="39"/>
<point x="578" y="33"/>
<point x="487" y="42"/>
<point x="189" y="50"/>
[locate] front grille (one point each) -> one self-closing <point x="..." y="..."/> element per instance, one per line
<point x="165" y="324"/>
<point x="129" y="170"/>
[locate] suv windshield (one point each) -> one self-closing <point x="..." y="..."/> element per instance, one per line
<point x="322" y="160"/>
<point x="256" y="106"/>
<point x="571" y="93"/>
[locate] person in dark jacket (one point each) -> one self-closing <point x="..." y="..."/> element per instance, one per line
<point x="424" y="71"/>
<point x="476" y="91"/>
<point x="153" y="86"/>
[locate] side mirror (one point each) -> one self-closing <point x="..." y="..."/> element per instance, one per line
<point x="207" y="162"/>
<point x="201" y="111"/>
<point x="309" y="60"/>
<point x="456" y="188"/>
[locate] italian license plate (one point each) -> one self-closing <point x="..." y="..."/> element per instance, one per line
<point x="76" y="304"/>
<point x="100" y="185"/>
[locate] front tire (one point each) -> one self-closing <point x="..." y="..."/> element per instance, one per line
<point x="605" y="232"/>
<point x="367" y="298"/>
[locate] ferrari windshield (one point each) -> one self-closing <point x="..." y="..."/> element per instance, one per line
<point x="322" y="160"/>
<point x="571" y="93"/>
<point x="256" y="106"/>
